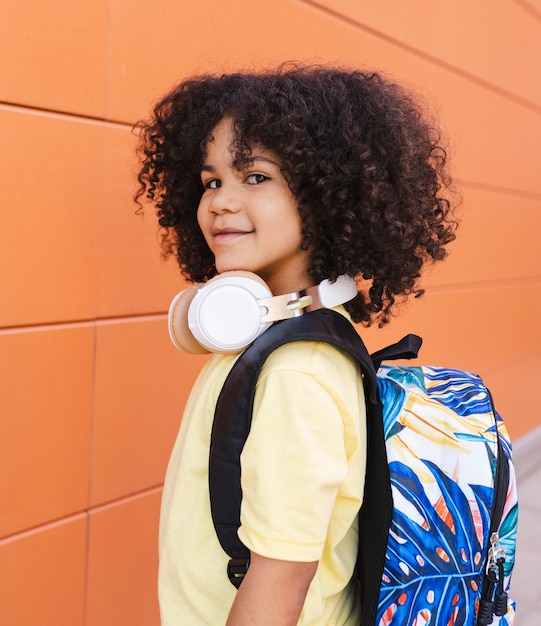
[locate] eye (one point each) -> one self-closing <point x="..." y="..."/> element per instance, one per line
<point x="256" y="179"/>
<point x="212" y="183"/>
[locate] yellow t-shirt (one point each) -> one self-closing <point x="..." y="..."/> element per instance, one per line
<point x="302" y="481"/>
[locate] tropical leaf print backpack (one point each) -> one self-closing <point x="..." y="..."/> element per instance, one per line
<point x="439" y="516"/>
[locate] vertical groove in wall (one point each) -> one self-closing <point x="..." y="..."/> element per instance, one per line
<point x="90" y="473"/>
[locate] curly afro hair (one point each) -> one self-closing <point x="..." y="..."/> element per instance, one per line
<point x="361" y="157"/>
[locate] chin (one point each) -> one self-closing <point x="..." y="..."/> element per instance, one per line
<point x="233" y="267"/>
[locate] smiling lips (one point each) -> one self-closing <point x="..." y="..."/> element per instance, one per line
<point x="226" y="234"/>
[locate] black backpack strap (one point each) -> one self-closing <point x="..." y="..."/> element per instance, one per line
<point x="232" y="422"/>
<point x="407" y="348"/>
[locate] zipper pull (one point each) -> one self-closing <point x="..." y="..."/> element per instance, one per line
<point x="485" y="615"/>
<point x="494" y="599"/>
<point x="500" y="596"/>
<point x="495" y="553"/>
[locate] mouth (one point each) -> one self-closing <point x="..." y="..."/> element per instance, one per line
<point x="222" y="235"/>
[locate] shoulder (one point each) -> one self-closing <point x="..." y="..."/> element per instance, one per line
<point x="308" y="357"/>
<point x="316" y="372"/>
<point x="319" y="360"/>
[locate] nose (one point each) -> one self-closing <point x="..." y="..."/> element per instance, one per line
<point x="225" y="199"/>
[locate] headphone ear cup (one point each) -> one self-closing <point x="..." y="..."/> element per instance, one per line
<point x="225" y="315"/>
<point x="179" y="331"/>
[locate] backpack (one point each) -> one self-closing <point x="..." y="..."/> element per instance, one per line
<point x="437" y="527"/>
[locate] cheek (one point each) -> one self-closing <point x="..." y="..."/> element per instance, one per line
<point x="203" y="224"/>
<point x="291" y="223"/>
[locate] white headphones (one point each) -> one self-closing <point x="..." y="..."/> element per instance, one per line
<point x="231" y="310"/>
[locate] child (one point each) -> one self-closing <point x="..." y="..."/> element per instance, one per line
<point x="297" y="175"/>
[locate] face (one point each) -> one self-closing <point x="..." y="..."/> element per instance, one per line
<point x="249" y="218"/>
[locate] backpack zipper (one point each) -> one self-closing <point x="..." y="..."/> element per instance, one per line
<point x="493" y="595"/>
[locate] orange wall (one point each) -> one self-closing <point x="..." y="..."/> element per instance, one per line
<point x="91" y="391"/>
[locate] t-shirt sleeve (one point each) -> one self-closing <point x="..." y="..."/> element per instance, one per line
<point x="294" y="461"/>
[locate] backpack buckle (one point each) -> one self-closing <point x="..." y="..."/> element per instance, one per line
<point x="236" y="570"/>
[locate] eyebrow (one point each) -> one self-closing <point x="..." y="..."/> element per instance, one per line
<point x="260" y="157"/>
<point x="252" y="159"/>
<point x="208" y="168"/>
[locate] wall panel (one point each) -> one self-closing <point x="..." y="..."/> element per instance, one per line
<point x="142" y="383"/>
<point x="45" y="408"/>
<point x="132" y="276"/>
<point x="490" y="136"/>
<point x="55" y="54"/>
<point x="123" y="563"/>
<point x="43" y="576"/>
<point x="497" y="240"/>
<point x="50" y="195"/>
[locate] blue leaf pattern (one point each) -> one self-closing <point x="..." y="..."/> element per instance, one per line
<point x="433" y="565"/>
